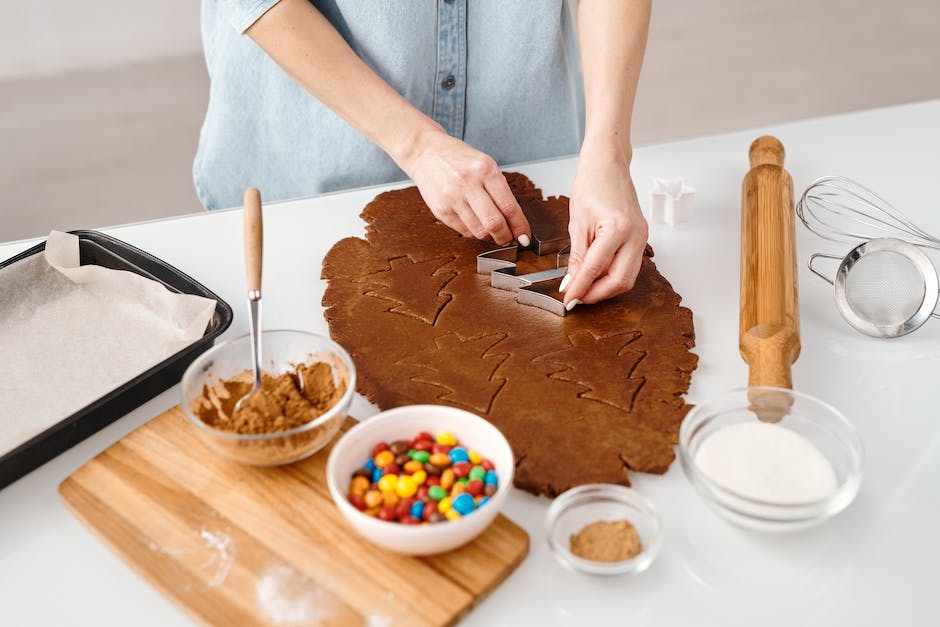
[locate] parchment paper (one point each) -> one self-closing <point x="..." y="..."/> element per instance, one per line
<point x="69" y="334"/>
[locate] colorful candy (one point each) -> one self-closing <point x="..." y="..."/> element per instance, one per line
<point x="424" y="480"/>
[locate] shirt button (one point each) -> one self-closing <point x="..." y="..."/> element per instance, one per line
<point x="449" y="82"/>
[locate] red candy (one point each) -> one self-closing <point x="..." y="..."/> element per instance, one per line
<point x="408" y="520"/>
<point x="378" y="448"/>
<point x="403" y="507"/>
<point x="424" y="435"/>
<point x="387" y="513"/>
<point x="423" y="445"/>
<point x="441" y="448"/>
<point x="422" y="493"/>
<point x="391" y="469"/>
<point x="357" y="501"/>
<point x="487" y="464"/>
<point x="462" y="469"/>
<point x="430" y="508"/>
<point x="432" y="480"/>
<point x="475" y="487"/>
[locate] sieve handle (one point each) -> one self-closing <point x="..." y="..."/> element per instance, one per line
<point x="813" y="258"/>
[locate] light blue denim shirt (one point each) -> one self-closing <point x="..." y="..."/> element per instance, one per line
<point x="503" y="76"/>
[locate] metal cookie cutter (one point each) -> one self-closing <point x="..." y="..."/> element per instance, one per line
<point x="535" y="288"/>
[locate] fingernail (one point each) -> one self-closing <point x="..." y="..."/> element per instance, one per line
<point x="524" y="240"/>
<point x="564" y="283"/>
<point x="574" y="303"/>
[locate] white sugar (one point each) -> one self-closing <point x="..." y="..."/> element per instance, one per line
<point x="768" y="462"/>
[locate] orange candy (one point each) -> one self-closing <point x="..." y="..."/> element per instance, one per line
<point x="447" y="479"/>
<point x="384" y="458"/>
<point x="441" y="460"/>
<point x="373" y="499"/>
<point x="359" y="486"/>
<point x="413" y="466"/>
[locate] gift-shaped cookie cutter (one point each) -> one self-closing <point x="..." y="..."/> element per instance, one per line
<point x="535" y="288"/>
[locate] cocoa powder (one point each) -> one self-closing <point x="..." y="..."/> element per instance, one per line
<point x="607" y="541"/>
<point x="283" y="403"/>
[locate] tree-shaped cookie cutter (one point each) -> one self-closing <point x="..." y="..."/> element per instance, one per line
<point x="538" y="289"/>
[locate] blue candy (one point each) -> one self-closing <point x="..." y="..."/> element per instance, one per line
<point x="490" y="478"/>
<point x="483" y="502"/>
<point x="417" y="510"/>
<point x="463" y="503"/>
<point x="370" y="465"/>
<point x="458" y="454"/>
<point x="376" y="475"/>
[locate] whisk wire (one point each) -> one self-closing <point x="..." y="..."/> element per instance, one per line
<point x="831" y="198"/>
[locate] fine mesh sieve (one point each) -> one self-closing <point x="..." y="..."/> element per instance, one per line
<point x="884" y="288"/>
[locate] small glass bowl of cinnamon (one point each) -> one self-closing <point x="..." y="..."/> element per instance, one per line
<point x="586" y="531"/>
<point x="309" y="382"/>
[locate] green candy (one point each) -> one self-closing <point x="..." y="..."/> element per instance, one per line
<point x="478" y="472"/>
<point x="420" y="456"/>
<point x="463" y="480"/>
<point x="436" y="492"/>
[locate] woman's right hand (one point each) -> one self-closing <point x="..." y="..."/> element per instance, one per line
<point x="465" y="189"/>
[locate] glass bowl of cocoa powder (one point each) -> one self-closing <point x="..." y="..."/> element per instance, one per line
<point x="308" y="382"/>
<point x="603" y="529"/>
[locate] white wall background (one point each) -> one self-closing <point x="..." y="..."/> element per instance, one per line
<point x="51" y="36"/>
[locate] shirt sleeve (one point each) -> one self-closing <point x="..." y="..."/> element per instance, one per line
<point x="243" y="13"/>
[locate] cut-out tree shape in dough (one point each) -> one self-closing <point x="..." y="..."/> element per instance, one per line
<point x="602" y="367"/>
<point x="426" y="281"/>
<point x="463" y="369"/>
<point x="582" y="398"/>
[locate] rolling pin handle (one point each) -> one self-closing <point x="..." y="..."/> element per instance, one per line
<point x="766" y="149"/>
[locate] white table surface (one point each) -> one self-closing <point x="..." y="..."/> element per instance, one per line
<point x="877" y="563"/>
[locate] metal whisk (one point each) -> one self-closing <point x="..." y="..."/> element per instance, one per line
<point x="839" y="209"/>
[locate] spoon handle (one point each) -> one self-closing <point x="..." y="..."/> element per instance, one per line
<point x="254" y="235"/>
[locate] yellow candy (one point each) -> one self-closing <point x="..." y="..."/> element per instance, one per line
<point x="420" y="477"/>
<point x="406" y="487"/>
<point x="373" y="499"/>
<point x="384" y="458"/>
<point x="412" y="466"/>
<point x="388" y="483"/>
<point x="447" y="479"/>
<point x="475" y="458"/>
<point x="446" y="438"/>
<point x="390" y="498"/>
<point x="359" y="486"/>
<point x="443" y="505"/>
<point x="452" y="514"/>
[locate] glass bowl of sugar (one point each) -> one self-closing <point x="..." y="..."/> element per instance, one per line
<point x="771" y="459"/>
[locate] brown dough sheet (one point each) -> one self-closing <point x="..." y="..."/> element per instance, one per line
<point x="581" y="398"/>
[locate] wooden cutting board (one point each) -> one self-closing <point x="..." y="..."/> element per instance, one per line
<point x="238" y="545"/>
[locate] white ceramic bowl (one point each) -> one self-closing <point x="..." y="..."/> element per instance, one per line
<point x="473" y="432"/>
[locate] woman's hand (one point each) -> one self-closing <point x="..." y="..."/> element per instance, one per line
<point x="464" y="188"/>
<point x="608" y="232"/>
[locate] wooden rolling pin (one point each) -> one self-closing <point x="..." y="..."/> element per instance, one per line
<point x="770" y="318"/>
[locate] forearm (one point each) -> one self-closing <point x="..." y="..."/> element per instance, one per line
<point x="612" y="37"/>
<point x="313" y="53"/>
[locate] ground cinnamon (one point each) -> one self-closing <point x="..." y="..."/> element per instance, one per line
<point x="283" y="403"/>
<point x="605" y="541"/>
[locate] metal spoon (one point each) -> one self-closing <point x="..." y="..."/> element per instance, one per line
<point x="254" y="236"/>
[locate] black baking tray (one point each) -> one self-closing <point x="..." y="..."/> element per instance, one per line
<point x="102" y="250"/>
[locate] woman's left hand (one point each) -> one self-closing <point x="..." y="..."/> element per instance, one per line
<point x="608" y="233"/>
